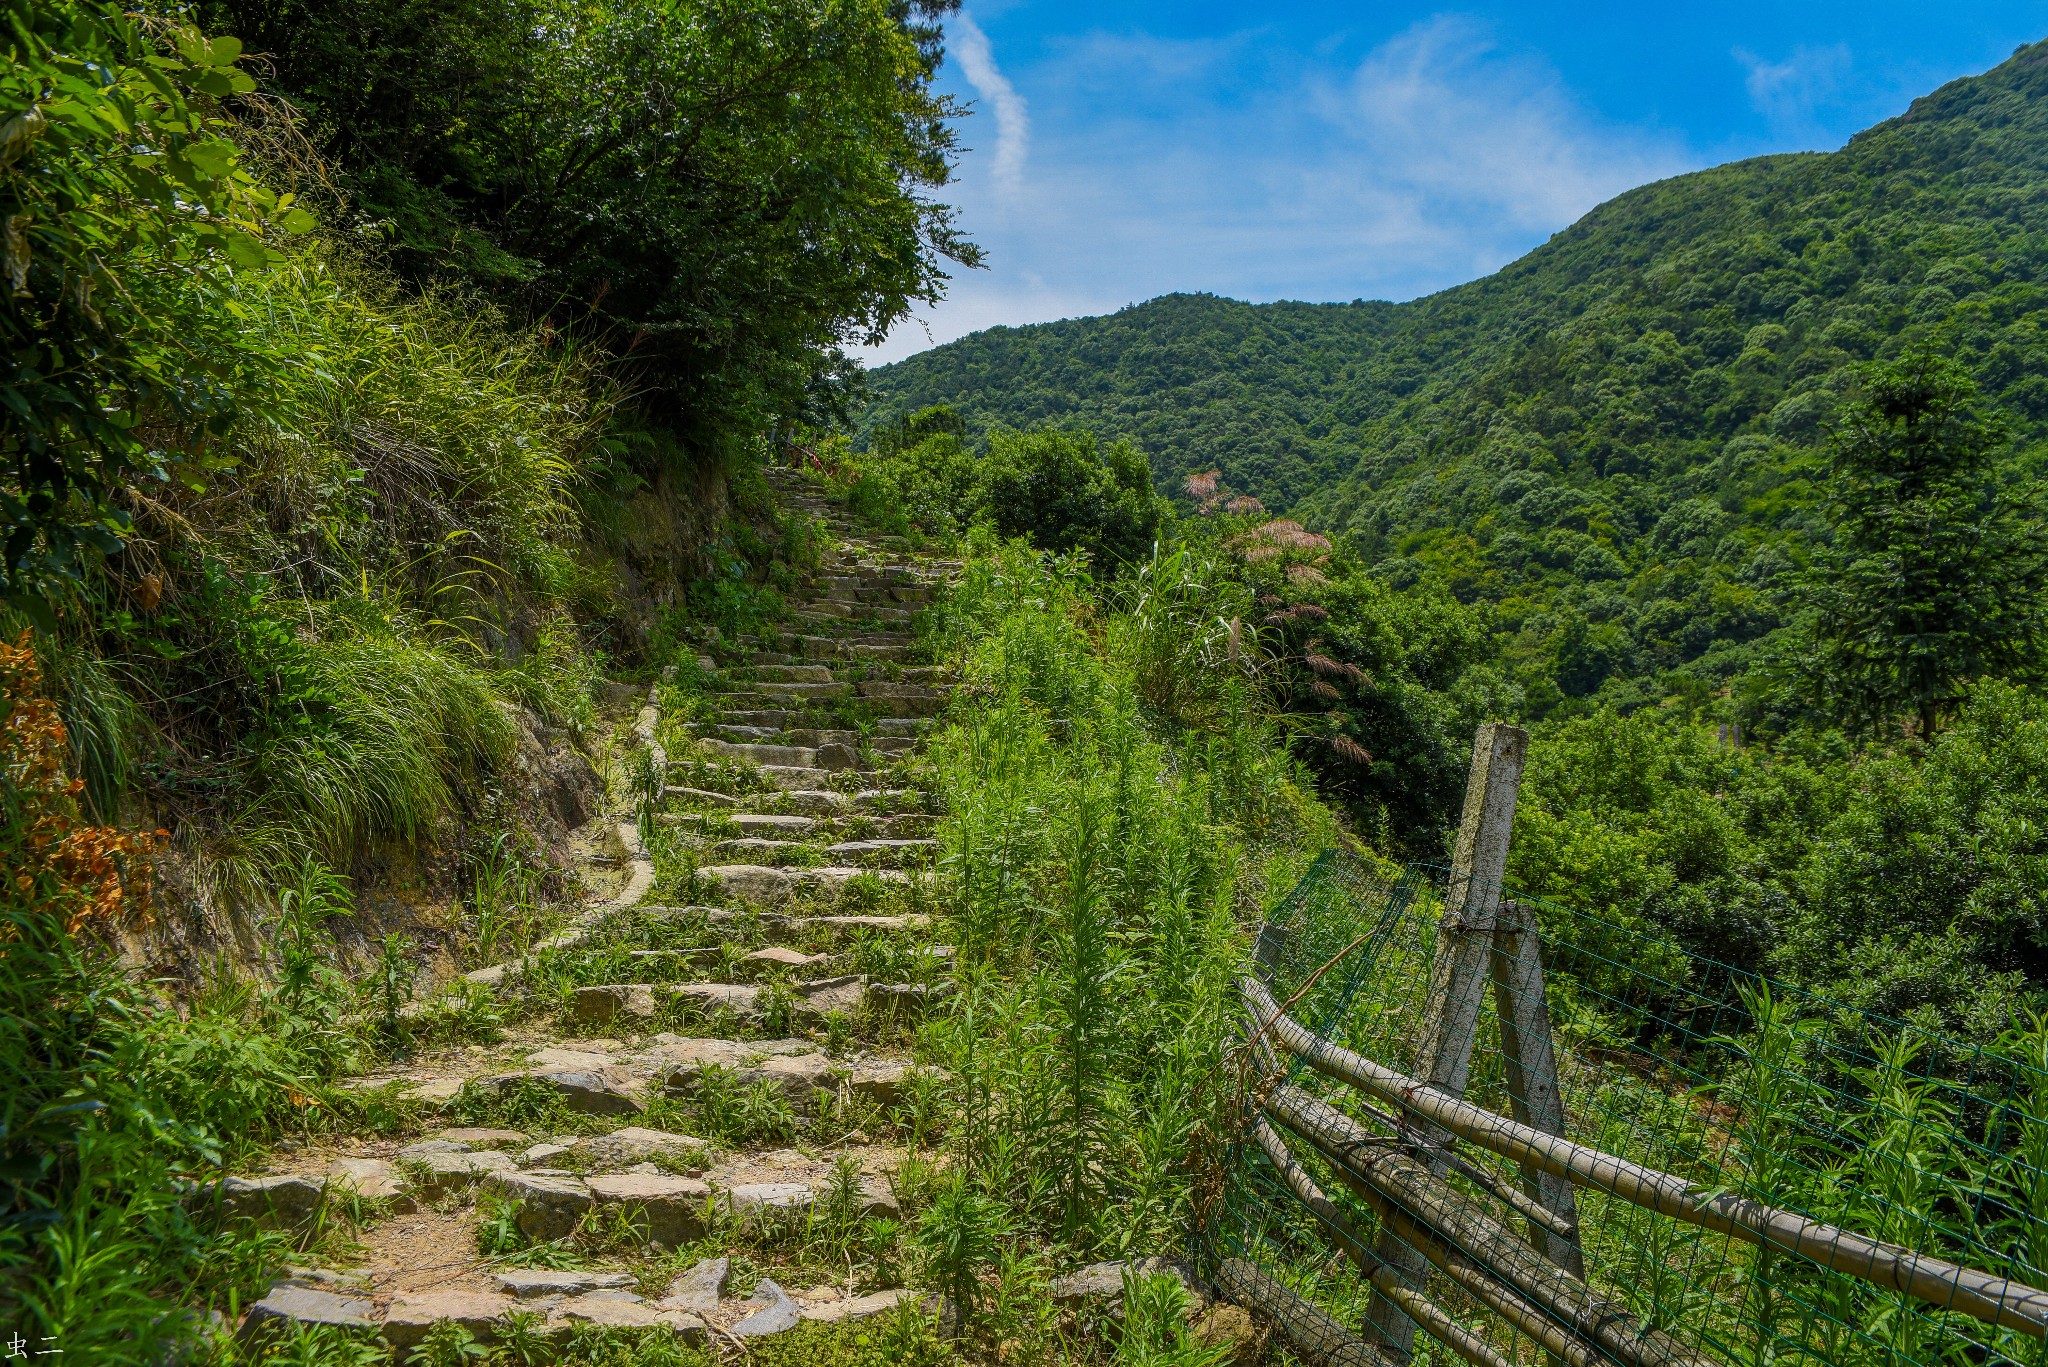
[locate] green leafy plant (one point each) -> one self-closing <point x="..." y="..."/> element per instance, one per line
<point x="957" y="1236"/>
<point x="126" y="203"/>
<point x="1155" y="1329"/>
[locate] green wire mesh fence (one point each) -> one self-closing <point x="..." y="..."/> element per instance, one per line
<point x="1740" y="1086"/>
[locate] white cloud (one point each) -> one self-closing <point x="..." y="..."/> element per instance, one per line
<point x="1788" y="92"/>
<point x="1012" y="114"/>
<point x="1444" y="122"/>
<point x="1231" y="164"/>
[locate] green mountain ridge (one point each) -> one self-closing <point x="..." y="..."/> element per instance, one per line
<point x="1613" y="437"/>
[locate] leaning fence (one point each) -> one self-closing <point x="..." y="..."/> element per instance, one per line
<point x="1477" y="1126"/>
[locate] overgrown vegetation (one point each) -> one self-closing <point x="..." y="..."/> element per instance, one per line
<point x="321" y="524"/>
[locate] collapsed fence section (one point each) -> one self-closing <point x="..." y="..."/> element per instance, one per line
<point x="1495" y="1130"/>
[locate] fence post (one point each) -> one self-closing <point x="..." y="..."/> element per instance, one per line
<point x="1530" y="1058"/>
<point x="1458" y="977"/>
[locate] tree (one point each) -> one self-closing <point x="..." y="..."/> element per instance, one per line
<point x="1065" y="493"/>
<point x="124" y="205"/>
<point x="1934" y="572"/>
<point x="723" y="192"/>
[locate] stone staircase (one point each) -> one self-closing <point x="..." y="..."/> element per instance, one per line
<point x="788" y="972"/>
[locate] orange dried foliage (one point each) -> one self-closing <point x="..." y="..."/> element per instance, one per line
<point x="89" y="875"/>
<point x="1284" y="534"/>
<point x="1351" y="749"/>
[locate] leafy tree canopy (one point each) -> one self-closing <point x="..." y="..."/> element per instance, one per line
<point x="722" y="191"/>
<point x="123" y="203"/>
<point x="1933" y="574"/>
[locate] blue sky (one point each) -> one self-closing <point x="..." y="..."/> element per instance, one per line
<point x="1120" y="150"/>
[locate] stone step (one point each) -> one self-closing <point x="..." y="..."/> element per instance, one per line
<point x="793" y="673"/>
<point x="881" y="849"/>
<point x="611" y="1004"/>
<point x="788" y="756"/>
<point x="795" y="776"/>
<point x="864" y="650"/>
<point x="792" y="692"/>
<point x="881" y="594"/>
<point x="778" y="927"/>
<point x="826" y="609"/>
<point x="912" y="699"/>
<point x="771" y="825"/>
<point x="768" y="886"/>
<point x="767" y="718"/>
<point x="754" y="849"/>
<point x="782" y="854"/>
<point x="733" y="734"/>
<point x="903" y="726"/>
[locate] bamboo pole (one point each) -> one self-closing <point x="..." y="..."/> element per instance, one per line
<point x="1936" y="1281"/>
<point x="1443" y="1214"/>
<point x="1418" y="1307"/>
<point x="1314" y="1336"/>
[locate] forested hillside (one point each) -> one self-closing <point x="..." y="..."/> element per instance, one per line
<point x="1614" y="439"/>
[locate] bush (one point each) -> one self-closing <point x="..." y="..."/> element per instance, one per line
<point x="1065" y="494"/>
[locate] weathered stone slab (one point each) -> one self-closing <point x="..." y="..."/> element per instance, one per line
<point x="846" y="994"/>
<point x="530" y="1283"/>
<point x="435" y="1174"/>
<point x="605" y="1312"/>
<point x="288" y="1305"/>
<point x="859" y="1308"/>
<point x="743" y="999"/>
<point x="370" y="1178"/>
<point x="548" y="1207"/>
<point x="1099" y="1283"/>
<point x="609" y="1002"/>
<point x="883" y="1082"/>
<point x="634" y="1144"/>
<point x="752" y="882"/>
<point x="412" y="1317"/>
<point x="591" y="1091"/>
<point x="482" y="1138"/>
<point x="544" y="1155"/>
<point x="273" y="1202"/>
<point x="773" y="1312"/>
<point x="782" y="956"/>
<point x="700" y="1289"/>
<point x="674" y="1207"/>
<point x="799" y="1076"/>
<point x="787" y="827"/>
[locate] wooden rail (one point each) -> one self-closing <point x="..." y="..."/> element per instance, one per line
<point x="1408" y="1194"/>
<point x="1935" y="1281"/>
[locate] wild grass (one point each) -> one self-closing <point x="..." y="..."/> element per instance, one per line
<point x="1090" y="878"/>
<point x="303" y="654"/>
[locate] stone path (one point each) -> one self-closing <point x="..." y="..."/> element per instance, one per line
<point x="785" y="975"/>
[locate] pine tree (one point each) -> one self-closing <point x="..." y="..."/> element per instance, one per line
<point x="1936" y="565"/>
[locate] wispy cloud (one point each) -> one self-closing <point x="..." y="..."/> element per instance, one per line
<point x="1012" y="115"/>
<point x="1445" y="122"/>
<point x="1788" y="92"/>
<point x="1229" y="164"/>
